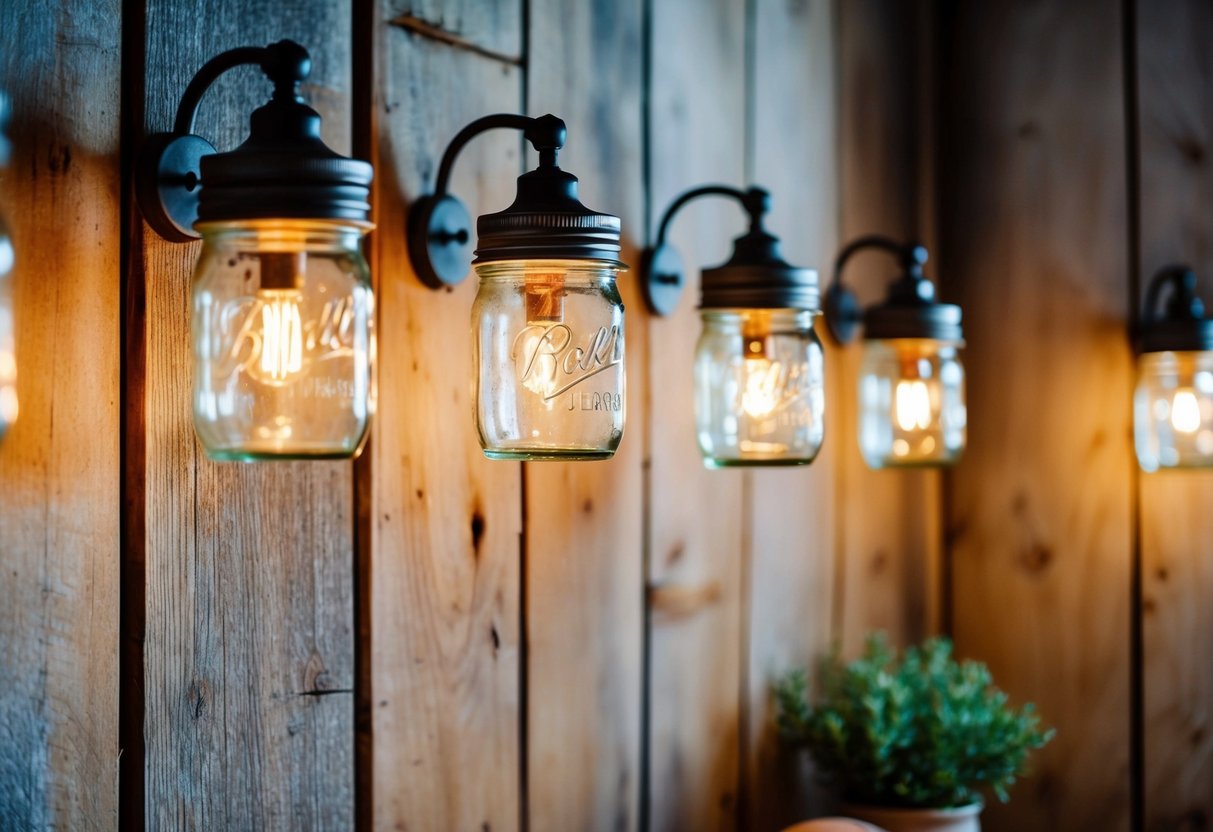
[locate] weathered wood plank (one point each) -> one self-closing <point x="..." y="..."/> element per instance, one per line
<point x="889" y="528"/>
<point x="248" y="658"/>
<point x="585" y="538"/>
<point x="59" y="465"/>
<point x="696" y="135"/>
<point x="792" y="512"/>
<point x="490" y="27"/>
<point x="1175" y="72"/>
<point x="445" y="522"/>
<point x="1032" y="224"/>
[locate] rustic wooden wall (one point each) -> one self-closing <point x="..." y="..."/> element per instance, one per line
<point x="424" y="639"/>
<point x="1032" y="226"/>
<point x="247" y="672"/>
<point x="59" y="465"/>
<point x="1175" y="187"/>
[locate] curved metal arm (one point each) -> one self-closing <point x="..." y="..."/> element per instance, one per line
<point x="843" y="311"/>
<point x="756" y="202"/>
<point x="1183" y="303"/>
<point x="169" y="165"/>
<point x="439" y="226"/>
<point x="661" y="269"/>
<point x="286" y="63"/>
<point x="546" y="134"/>
<point x="912" y="255"/>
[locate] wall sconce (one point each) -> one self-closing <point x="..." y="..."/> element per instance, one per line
<point x="911" y="383"/>
<point x="8" y="358"/>
<point x="759" y="367"/>
<point x="1173" y="403"/>
<point x="282" y="306"/>
<point x="548" y="320"/>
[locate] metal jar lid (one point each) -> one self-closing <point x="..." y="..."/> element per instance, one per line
<point x="548" y="222"/>
<point x="284" y="170"/>
<point x="939" y="321"/>
<point x="1176" y="323"/>
<point x="757" y="277"/>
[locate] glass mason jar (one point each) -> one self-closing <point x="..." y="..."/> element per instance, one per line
<point x="549" y="359"/>
<point x="1173" y="410"/>
<point x="8" y="358"/>
<point x="911" y="402"/>
<point x="283" y="339"/>
<point x="759" y="387"/>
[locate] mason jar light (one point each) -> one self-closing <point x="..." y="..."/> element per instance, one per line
<point x="759" y="368"/>
<point x="283" y="312"/>
<point x="1173" y="401"/>
<point x="911" y="383"/>
<point x="547" y="323"/>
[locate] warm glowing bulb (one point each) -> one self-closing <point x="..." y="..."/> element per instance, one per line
<point x="761" y="393"/>
<point x="281" y="335"/>
<point x="1185" y="411"/>
<point x="913" y="404"/>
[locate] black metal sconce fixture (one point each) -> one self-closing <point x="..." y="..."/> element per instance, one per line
<point x="759" y="367"/>
<point x="8" y="354"/>
<point x="911" y="384"/>
<point x="1173" y="400"/>
<point x="548" y="319"/>
<point x="283" y="313"/>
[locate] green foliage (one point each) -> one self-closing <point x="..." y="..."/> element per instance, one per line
<point x="920" y="730"/>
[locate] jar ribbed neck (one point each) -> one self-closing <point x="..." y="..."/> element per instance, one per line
<point x="285" y="235"/>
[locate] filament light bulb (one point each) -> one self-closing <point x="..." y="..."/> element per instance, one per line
<point x="1185" y="411"/>
<point x="761" y="393"/>
<point x="281" y="335"/>
<point x="913" y="405"/>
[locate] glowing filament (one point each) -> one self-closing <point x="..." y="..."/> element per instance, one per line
<point x="913" y="405"/>
<point x="762" y="390"/>
<point x="1185" y="411"/>
<point x="281" y="335"/>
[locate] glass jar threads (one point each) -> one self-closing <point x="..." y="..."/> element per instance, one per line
<point x="759" y="387"/>
<point x="1173" y="401"/>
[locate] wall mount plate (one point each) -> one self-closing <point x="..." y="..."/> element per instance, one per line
<point x="663" y="279"/>
<point x="168" y="183"/>
<point x="440" y="240"/>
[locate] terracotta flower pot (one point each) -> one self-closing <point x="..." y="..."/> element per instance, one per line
<point x="960" y="819"/>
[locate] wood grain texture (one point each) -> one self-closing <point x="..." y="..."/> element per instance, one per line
<point x="696" y="136"/>
<point x="248" y="657"/>
<point x="488" y="26"/>
<point x="1174" y="81"/>
<point x="59" y="465"/>
<point x="1033" y="215"/>
<point x="446" y="522"/>
<point x="585" y="534"/>
<point x="791" y="511"/>
<point x="889" y="536"/>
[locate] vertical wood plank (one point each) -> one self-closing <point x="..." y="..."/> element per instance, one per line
<point x="248" y="657"/>
<point x="1033" y="218"/>
<point x="791" y="511"/>
<point x="1175" y="76"/>
<point x="584" y="536"/>
<point x="889" y="528"/>
<point x="696" y="136"/>
<point x="445" y="522"/>
<point x="59" y="465"/>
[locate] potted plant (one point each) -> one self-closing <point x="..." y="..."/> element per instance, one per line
<point x="910" y="742"/>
